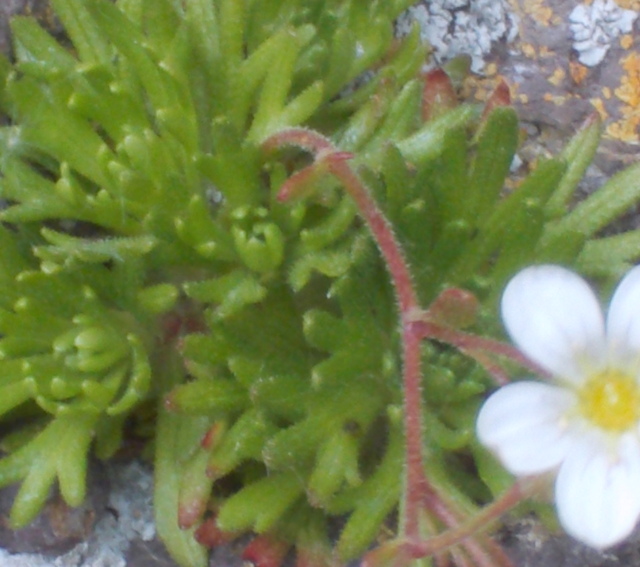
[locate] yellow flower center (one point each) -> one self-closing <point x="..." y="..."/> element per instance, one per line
<point x="611" y="400"/>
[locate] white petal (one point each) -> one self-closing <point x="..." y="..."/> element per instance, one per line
<point x="524" y="424"/>
<point x="598" y="490"/>
<point x="623" y="322"/>
<point x="554" y="317"/>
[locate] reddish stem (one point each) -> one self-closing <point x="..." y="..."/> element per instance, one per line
<point x="494" y="370"/>
<point x="383" y="234"/>
<point x="416" y="482"/>
<point x="414" y="328"/>
<point x="480" y="521"/>
<point x="470" y="344"/>
<point x="308" y="140"/>
<point x="328" y="156"/>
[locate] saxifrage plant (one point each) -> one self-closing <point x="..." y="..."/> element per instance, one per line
<point x="172" y="262"/>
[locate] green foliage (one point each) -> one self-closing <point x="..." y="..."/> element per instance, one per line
<point x="144" y="257"/>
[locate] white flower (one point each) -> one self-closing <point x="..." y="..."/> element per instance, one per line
<point x="585" y="425"/>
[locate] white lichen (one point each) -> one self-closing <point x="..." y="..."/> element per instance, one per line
<point x="456" y="27"/>
<point x="131" y="499"/>
<point x="595" y="27"/>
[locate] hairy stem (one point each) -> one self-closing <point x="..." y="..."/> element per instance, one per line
<point x="415" y="327"/>
<point x="472" y="344"/>
<point x="330" y="159"/>
<point x="416" y="481"/>
<point x="479" y="522"/>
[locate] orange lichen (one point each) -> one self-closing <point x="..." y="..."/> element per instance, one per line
<point x="557" y="77"/>
<point x="625" y="131"/>
<point x="626" y="41"/>
<point x="538" y="11"/>
<point x="578" y="72"/>
<point x="490" y="69"/>
<point x="626" y="128"/>
<point x="629" y="89"/>
<point x="598" y="105"/>
<point x="558" y="100"/>
<point x="544" y="51"/>
<point x="617" y="100"/>
<point x="480" y="88"/>
<point x="481" y="94"/>
<point x="628" y="4"/>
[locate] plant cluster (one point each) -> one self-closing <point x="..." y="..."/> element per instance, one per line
<point x="170" y="258"/>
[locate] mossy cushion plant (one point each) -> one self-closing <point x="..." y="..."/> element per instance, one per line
<point x="178" y="255"/>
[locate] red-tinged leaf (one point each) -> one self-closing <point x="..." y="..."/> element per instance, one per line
<point x="266" y="551"/>
<point x="501" y="96"/>
<point x="301" y="183"/>
<point x="190" y="510"/>
<point x="176" y="325"/>
<point x="213" y="435"/>
<point x="438" y="94"/>
<point x="195" y="490"/>
<point x="395" y="553"/>
<point x="454" y="307"/>
<point x="210" y="535"/>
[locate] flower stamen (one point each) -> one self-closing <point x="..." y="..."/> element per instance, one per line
<point x="610" y="400"/>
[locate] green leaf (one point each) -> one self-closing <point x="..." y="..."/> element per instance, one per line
<point x="244" y="440"/>
<point x="427" y="142"/>
<point x="261" y="504"/>
<point x="175" y="435"/>
<point x="374" y="500"/>
<point x="331" y="263"/>
<point x="449" y="180"/>
<point x="610" y="255"/>
<point x="330" y="228"/>
<point x="216" y="397"/>
<point x="500" y="224"/>
<point x="578" y="154"/>
<point x="272" y="109"/>
<point x="87" y="37"/>
<point x="68" y="251"/>
<point x="139" y="380"/>
<point x="197" y="227"/>
<point x="13" y="395"/>
<point x="60" y="450"/>
<point x="599" y="209"/>
<point x="161" y="20"/>
<point x="158" y="298"/>
<point x="323" y="330"/>
<point x="129" y="41"/>
<point x="51" y="128"/>
<point x="261" y="248"/>
<point x="398" y="122"/>
<point x="33" y="44"/>
<point x="336" y="464"/>
<point x="491" y="471"/>
<point x="232" y="292"/>
<point x="497" y="142"/>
